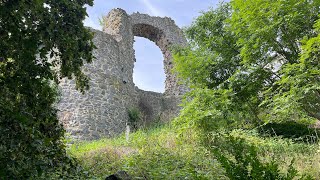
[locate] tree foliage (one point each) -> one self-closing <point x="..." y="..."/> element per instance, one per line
<point x="252" y="62"/>
<point x="41" y="42"/>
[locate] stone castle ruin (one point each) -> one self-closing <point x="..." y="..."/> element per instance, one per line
<point x="103" y="110"/>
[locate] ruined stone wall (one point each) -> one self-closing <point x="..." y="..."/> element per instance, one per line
<point x="103" y="110"/>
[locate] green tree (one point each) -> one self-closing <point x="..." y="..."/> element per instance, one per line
<point x="251" y="62"/>
<point x="41" y="42"/>
<point x="272" y="33"/>
<point x="298" y="89"/>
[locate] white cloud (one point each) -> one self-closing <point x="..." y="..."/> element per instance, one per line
<point x="152" y="9"/>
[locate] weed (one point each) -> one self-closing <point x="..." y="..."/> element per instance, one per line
<point x="134" y="117"/>
<point x="163" y="152"/>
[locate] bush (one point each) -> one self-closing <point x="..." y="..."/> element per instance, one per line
<point x="241" y="160"/>
<point x="298" y="132"/>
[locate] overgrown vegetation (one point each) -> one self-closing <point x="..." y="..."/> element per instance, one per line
<point x="298" y="132"/>
<point x="134" y="117"/>
<point x="41" y="42"/>
<point x="252" y="65"/>
<point x="151" y="154"/>
<point x="252" y="62"/>
<point x="165" y="153"/>
<point x="253" y="73"/>
<point x="241" y="161"/>
<point x="254" y="79"/>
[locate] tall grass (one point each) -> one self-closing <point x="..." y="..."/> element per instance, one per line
<point x="164" y="153"/>
<point x="157" y="153"/>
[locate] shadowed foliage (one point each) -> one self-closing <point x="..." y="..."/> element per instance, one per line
<point x="41" y="42"/>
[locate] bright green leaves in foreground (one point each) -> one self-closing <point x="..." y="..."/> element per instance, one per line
<point x="252" y="62"/>
<point x="249" y="63"/>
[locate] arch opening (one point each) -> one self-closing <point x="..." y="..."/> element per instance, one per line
<point x="157" y="36"/>
<point x="148" y="72"/>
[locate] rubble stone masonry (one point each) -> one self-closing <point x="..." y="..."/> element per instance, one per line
<point x="103" y="110"/>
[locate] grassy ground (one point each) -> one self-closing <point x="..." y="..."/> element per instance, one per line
<point x="162" y="153"/>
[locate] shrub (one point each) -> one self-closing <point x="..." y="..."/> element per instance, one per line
<point x="298" y="132"/>
<point x="134" y="117"/>
<point x="241" y="160"/>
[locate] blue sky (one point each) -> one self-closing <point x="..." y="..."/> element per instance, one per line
<point x="148" y="72"/>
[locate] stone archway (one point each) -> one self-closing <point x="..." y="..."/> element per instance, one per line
<point x="158" y="37"/>
<point x="164" y="33"/>
<point x="148" y="71"/>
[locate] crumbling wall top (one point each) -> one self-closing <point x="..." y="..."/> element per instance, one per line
<point x="166" y="25"/>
